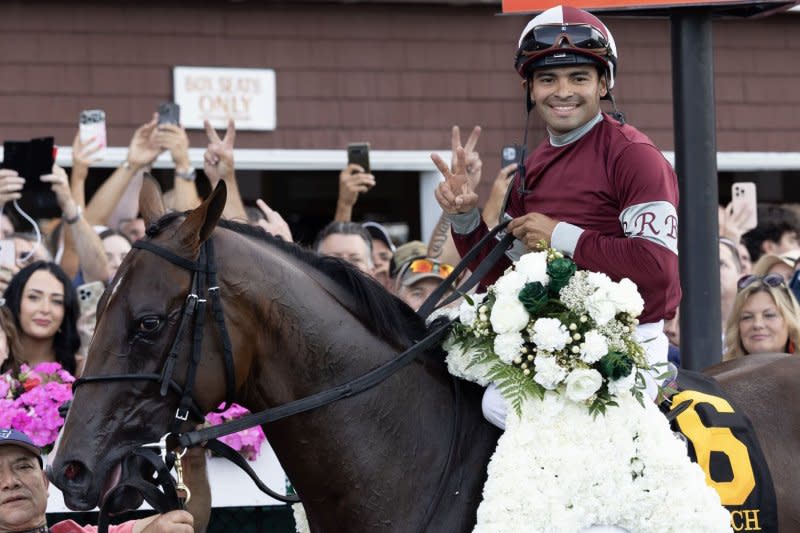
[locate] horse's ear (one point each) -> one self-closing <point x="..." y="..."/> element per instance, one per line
<point x="201" y="221"/>
<point x="151" y="206"/>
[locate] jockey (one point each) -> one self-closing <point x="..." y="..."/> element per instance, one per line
<point x="596" y="188"/>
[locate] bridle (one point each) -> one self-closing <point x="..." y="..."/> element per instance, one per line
<point x="193" y="316"/>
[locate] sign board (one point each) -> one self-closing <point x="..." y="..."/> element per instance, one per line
<point x="533" y="6"/>
<point x="247" y="95"/>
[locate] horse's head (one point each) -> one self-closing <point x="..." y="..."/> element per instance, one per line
<point x="138" y="320"/>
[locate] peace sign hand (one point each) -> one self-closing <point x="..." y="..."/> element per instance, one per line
<point x="218" y="159"/>
<point x="474" y="163"/>
<point x="455" y="194"/>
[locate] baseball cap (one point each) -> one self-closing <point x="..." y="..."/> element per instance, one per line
<point x="17" y="438"/>
<point x="377" y="231"/>
<point x="405" y="253"/>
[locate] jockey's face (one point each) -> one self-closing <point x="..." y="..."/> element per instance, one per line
<point x="567" y="97"/>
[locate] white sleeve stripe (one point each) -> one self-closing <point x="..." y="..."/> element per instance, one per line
<point x="655" y="221"/>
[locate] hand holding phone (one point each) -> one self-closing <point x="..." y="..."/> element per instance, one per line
<point x="33" y="159"/>
<point x="92" y="132"/>
<point x="743" y="208"/>
<point x="88" y="296"/>
<point x="358" y="154"/>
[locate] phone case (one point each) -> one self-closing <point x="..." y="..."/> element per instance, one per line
<point x="93" y="125"/>
<point x="8" y="252"/>
<point x="358" y="153"/>
<point x="509" y="155"/>
<point x="743" y="197"/>
<point x="169" y="113"/>
<point x="89" y="294"/>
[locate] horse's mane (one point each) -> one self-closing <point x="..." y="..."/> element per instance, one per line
<point x="380" y="311"/>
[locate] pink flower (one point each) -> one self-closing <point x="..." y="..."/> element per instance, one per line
<point x="247" y="442"/>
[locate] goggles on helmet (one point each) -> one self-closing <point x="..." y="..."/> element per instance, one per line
<point x="553" y="36"/>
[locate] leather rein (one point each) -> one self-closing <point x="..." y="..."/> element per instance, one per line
<point x="192" y="323"/>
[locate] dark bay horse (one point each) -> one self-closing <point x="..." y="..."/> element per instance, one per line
<point x="300" y="324"/>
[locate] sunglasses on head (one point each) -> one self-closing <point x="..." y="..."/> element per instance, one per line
<point x="424" y="266"/>
<point x="771" y="280"/>
<point x="581" y="36"/>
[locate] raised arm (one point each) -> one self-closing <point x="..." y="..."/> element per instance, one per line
<point x="218" y="165"/>
<point x="173" y="138"/>
<point x="352" y="182"/>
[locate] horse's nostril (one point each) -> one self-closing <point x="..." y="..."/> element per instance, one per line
<point x="72" y="471"/>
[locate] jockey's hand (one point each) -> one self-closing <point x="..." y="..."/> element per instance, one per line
<point x="455" y="194"/>
<point x="532" y="228"/>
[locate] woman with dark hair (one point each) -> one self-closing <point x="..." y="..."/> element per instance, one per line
<point x="45" y="308"/>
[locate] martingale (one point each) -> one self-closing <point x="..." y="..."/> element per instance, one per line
<point x="721" y="439"/>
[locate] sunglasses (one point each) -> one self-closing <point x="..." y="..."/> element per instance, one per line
<point x="770" y="280"/>
<point x="424" y="266"/>
<point x="581" y="36"/>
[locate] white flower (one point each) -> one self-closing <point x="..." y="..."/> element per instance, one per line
<point x="550" y="334"/>
<point x="467" y="313"/>
<point x="618" y="386"/>
<point x="601" y="307"/>
<point x="582" y="383"/>
<point x="627" y="298"/>
<point x="599" y="280"/>
<point x="509" y="285"/>
<point x="593" y="347"/>
<point x="508" y="314"/>
<point x="533" y="266"/>
<point x="548" y="373"/>
<point x="507" y="346"/>
<point x="461" y="362"/>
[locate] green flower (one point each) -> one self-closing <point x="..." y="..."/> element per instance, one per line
<point x="534" y="297"/>
<point x="560" y="271"/>
<point x="615" y="365"/>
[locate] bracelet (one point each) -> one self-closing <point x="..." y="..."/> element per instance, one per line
<point x="73" y="219"/>
<point x="189" y="175"/>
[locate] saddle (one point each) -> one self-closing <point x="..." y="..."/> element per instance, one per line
<point x="722" y="440"/>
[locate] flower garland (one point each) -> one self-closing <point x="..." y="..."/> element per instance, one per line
<point x="584" y="449"/>
<point x="247" y="442"/>
<point x="30" y="400"/>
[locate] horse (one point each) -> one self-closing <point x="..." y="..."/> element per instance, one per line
<point x="383" y="460"/>
<point x="389" y="459"/>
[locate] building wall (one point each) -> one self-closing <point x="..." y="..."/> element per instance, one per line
<point x="396" y="75"/>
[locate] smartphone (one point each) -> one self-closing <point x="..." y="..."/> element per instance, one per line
<point x="358" y="153"/>
<point x="743" y="197"/>
<point x="32" y="159"/>
<point x="510" y="154"/>
<point x="8" y="252"/>
<point x="88" y="296"/>
<point x="92" y="125"/>
<point x="169" y="113"/>
<point x="794" y="285"/>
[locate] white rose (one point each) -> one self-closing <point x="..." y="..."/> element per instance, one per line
<point x="533" y="266"/>
<point x="593" y="347"/>
<point x="550" y="334"/>
<point x="626" y="297"/>
<point x="599" y="280"/>
<point x="509" y="285"/>
<point x="467" y="313"/>
<point x="508" y="314"/>
<point x="582" y="383"/>
<point x="621" y="385"/>
<point x="601" y="307"/>
<point x="507" y="346"/>
<point x="548" y="373"/>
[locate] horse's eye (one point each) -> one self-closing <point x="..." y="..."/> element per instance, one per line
<point x="149" y="324"/>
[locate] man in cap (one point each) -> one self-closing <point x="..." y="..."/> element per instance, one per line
<point x="23" y="495"/>
<point x="596" y="188"/>
<point x="417" y="275"/>
<point x="382" y="251"/>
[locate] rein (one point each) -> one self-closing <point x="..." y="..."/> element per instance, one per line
<point x="193" y="315"/>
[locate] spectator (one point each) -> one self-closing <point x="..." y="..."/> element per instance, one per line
<point x="23" y="485"/>
<point x="403" y="255"/>
<point x="272" y="222"/>
<point x="116" y="247"/>
<point x="353" y="180"/>
<point x="348" y="241"/>
<point x="382" y="252"/>
<point x="764" y="319"/>
<point x="783" y="264"/>
<point x="776" y="232"/>
<point x="729" y="272"/>
<point x="418" y="278"/>
<point x="132" y="228"/>
<point x="45" y="308"/>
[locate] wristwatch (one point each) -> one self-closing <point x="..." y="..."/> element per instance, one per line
<point x="74" y="218"/>
<point x="189" y="174"/>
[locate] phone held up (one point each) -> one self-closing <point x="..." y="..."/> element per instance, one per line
<point x="8" y="253"/>
<point x="511" y="154"/>
<point x="744" y="198"/>
<point x="358" y="153"/>
<point x="88" y="296"/>
<point x="92" y="129"/>
<point x="169" y="113"/>
<point x="32" y="159"/>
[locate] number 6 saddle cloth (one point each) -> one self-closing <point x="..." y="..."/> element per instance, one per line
<point x="722" y="440"/>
